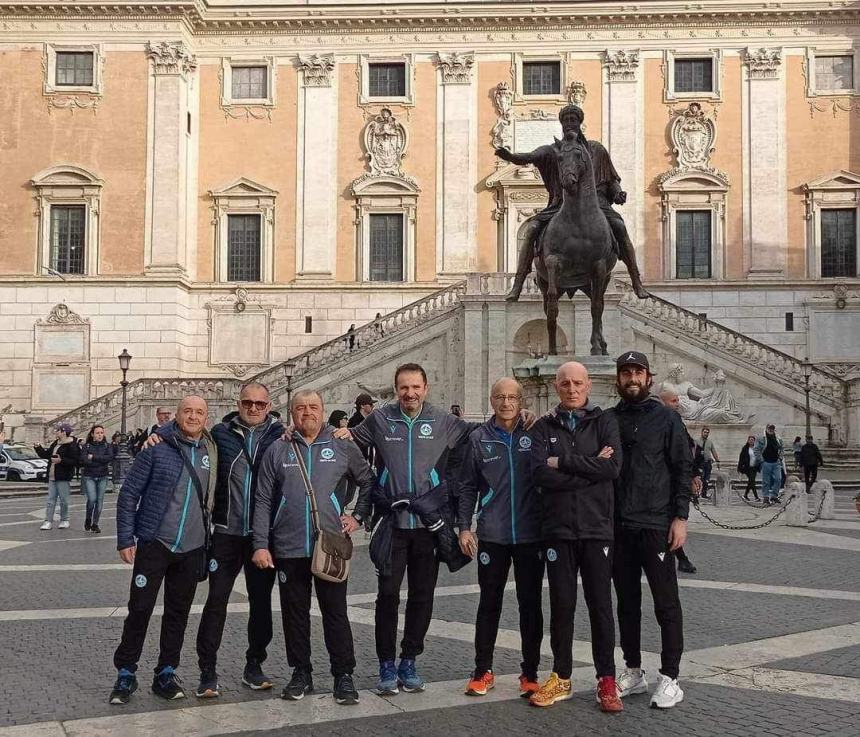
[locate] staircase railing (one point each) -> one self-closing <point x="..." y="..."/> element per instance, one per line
<point x="149" y="390"/>
<point x="364" y="339"/>
<point x="779" y="366"/>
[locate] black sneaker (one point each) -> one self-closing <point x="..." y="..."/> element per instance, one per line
<point x="125" y="686"/>
<point x="300" y="684"/>
<point x="166" y="684"/>
<point x="208" y="687"/>
<point x="96" y="529"/>
<point x="254" y="678"/>
<point x="686" y="566"/>
<point x="344" y="690"/>
<point x="87" y="525"/>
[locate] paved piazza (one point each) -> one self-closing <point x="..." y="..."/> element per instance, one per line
<point x="772" y="646"/>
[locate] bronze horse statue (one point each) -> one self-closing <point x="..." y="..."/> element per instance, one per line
<point x="576" y="250"/>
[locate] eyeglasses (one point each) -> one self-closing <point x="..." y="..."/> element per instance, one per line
<point x="512" y="398"/>
<point x="251" y="404"/>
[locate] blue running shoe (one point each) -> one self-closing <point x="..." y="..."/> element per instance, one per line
<point x="125" y="686"/>
<point x="166" y="684"/>
<point x="387" y="683"/>
<point x="408" y="677"/>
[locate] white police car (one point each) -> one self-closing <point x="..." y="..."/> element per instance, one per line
<point x="20" y="463"/>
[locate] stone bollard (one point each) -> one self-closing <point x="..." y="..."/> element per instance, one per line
<point x="796" y="515"/>
<point x="722" y="489"/>
<point x="828" y="509"/>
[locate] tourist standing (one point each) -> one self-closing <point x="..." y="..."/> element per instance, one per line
<point x="63" y="456"/>
<point x="769" y="456"/>
<point x="748" y="466"/>
<point x="796" y="447"/>
<point x="709" y="456"/>
<point x="96" y="459"/>
<point x="810" y="459"/>
<point x="651" y="508"/>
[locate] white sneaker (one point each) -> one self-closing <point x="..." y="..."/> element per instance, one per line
<point x="63" y="525"/>
<point x="46" y="525"/>
<point x="631" y="681"/>
<point x="667" y="694"/>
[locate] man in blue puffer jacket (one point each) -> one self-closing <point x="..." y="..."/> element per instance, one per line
<point x="162" y="527"/>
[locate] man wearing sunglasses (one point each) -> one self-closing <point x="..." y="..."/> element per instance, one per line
<point x="242" y="439"/>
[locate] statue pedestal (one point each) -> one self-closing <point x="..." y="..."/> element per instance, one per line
<point x="537" y="375"/>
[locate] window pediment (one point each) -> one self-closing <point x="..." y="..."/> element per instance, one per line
<point x="840" y="179"/>
<point x="243" y="187"/>
<point x="688" y="181"/>
<point x="65" y="176"/>
<point x="384" y="185"/>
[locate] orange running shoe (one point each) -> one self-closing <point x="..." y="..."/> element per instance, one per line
<point x="527" y="687"/>
<point x="555" y="689"/>
<point x="607" y="694"/>
<point x="480" y="684"/>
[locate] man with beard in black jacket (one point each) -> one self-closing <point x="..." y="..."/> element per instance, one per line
<point x="576" y="455"/>
<point x="651" y="507"/>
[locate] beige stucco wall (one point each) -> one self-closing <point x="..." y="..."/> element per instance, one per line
<point x="110" y="143"/>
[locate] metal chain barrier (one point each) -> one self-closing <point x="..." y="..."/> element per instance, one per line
<point x="744" y="527"/>
<point x="814" y="517"/>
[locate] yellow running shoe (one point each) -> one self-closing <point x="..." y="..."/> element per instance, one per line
<point x="555" y="689"/>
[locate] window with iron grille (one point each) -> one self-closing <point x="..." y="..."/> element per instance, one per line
<point x="694" y="75"/>
<point x="693" y="244"/>
<point x="834" y="73"/>
<point x="68" y="238"/>
<point x="541" y="78"/>
<point x="386" y="247"/>
<point x="839" y="242"/>
<point x="243" y="248"/>
<point x="74" y="69"/>
<point x="386" y="80"/>
<point x="249" y="83"/>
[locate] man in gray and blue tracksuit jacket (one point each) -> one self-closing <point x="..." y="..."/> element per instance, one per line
<point x="283" y="537"/>
<point x="411" y="439"/>
<point x="496" y="477"/>
<point x="161" y="525"/>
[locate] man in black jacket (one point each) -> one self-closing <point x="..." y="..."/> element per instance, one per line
<point x="651" y="508"/>
<point x="810" y="460"/>
<point x="242" y="439"/>
<point x="63" y="456"/>
<point x="576" y="455"/>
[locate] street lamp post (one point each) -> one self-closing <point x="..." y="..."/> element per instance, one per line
<point x="123" y="457"/>
<point x="289" y="370"/>
<point x="807" y="374"/>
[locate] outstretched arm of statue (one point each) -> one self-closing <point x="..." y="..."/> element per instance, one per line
<point x="521" y="159"/>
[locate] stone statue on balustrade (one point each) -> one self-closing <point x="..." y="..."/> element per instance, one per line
<point x="609" y="193"/>
<point x="715" y="405"/>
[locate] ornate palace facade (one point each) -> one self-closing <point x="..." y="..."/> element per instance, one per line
<point x="169" y="167"/>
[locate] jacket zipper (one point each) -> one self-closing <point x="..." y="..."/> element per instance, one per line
<point x="513" y="491"/>
<point x="185" y="506"/>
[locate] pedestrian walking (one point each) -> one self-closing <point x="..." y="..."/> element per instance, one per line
<point x="796" y="447"/>
<point x="288" y="511"/>
<point x="748" y="466"/>
<point x="810" y="460"/>
<point x="63" y="456"/>
<point x="651" y="509"/>
<point x="96" y="460"/>
<point x="162" y="525"/>
<point x="709" y="456"/>
<point x="496" y="482"/>
<point x="769" y="457"/>
<point x="577" y="455"/>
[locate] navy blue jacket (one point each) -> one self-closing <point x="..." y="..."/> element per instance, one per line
<point x="496" y="475"/>
<point x="103" y="454"/>
<point x="149" y="485"/>
<point x="229" y="437"/>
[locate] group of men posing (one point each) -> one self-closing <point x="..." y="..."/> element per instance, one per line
<point x="600" y="493"/>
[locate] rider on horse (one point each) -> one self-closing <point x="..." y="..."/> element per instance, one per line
<point x="609" y="192"/>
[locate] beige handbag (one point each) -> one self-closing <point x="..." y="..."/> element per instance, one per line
<point x="332" y="551"/>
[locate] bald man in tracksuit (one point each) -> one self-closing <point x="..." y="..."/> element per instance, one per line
<point x="282" y="524"/>
<point x="496" y="477"/>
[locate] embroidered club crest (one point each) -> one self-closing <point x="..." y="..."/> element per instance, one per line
<point x="213" y="566"/>
<point x="140" y="580"/>
<point x="525" y="442"/>
<point x="551" y="555"/>
<point x="484" y="558"/>
<point x="425" y="429"/>
<point x="327" y="454"/>
<point x="282" y="577"/>
<point x="205" y="462"/>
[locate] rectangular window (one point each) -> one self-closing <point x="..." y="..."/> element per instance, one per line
<point x="694" y="75"/>
<point x="834" y="73"/>
<point x="386" y="80"/>
<point x="74" y="69"/>
<point x="693" y="244"/>
<point x="249" y="83"/>
<point x="541" y="78"/>
<point x="789" y="322"/>
<point x="243" y="248"/>
<point x="309" y="324"/>
<point x="68" y="236"/>
<point x="386" y="247"/>
<point x="839" y="242"/>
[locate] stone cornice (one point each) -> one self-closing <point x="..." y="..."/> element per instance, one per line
<point x="323" y="18"/>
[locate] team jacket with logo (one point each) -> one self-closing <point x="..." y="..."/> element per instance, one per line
<point x="282" y="510"/>
<point x="496" y="475"/>
<point x="578" y="496"/>
<point x="411" y="453"/>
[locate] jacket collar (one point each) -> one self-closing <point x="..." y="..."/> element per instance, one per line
<point x="324" y="436"/>
<point x="646" y="405"/>
<point x="393" y="412"/>
<point x="588" y="412"/>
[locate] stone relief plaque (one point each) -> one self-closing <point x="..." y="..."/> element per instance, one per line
<point x="64" y="344"/>
<point x="240" y="338"/>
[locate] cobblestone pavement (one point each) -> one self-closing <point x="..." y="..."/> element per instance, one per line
<point x="772" y="631"/>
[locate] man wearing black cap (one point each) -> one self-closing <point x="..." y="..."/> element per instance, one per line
<point x="652" y="500"/>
